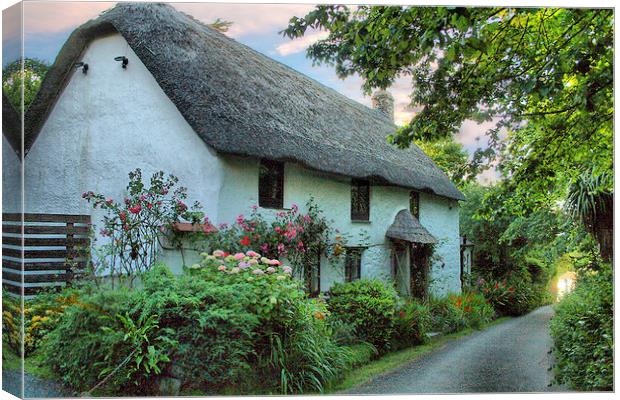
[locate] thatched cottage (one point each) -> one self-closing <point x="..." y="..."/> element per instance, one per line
<point x="199" y="105"/>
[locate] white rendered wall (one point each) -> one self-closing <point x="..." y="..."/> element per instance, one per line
<point x="107" y="123"/>
<point x="333" y="194"/>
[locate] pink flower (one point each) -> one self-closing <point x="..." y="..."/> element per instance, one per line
<point x="270" y="270"/>
<point x="264" y="247"/>
<point x="294" y="207"/>
<point x="251" y="253"/>
<point x="287" y="269"/>
<point x="142" y="197"/>
<point x="221" y="268"/>
<point x="240" y="219"/>
<point x="123" y="216"/>
<point x="181" y="205"/>
<point x="222" y="226"/>
<point x="109" y="201"/>
<point x="218" y="253"/>
<point x="254" y="207"/>
<point x="239" y="256"/>
<point x="273" y="262"/>
<point x="281" y="248"/>
<point x="258" y="271"/>
<point x="277" y="229"/>
<point x="135" y="209"/>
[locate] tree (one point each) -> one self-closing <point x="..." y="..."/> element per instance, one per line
<point x="30" y="76"/>
<point x="544" y="75"/>
<point x="449" y="156"/>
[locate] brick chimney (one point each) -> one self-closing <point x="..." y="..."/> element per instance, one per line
<point x="383" y="101"/>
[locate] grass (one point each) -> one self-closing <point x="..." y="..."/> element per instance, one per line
<point x="392" y="361"/>
<point x="32" y="364"/>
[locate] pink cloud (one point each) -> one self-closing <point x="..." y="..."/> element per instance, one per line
<point x="57" y="16"/>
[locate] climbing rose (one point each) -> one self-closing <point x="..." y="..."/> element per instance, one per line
<point x="135" y="209"/>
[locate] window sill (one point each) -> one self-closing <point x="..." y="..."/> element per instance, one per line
<point x="361" y="221"/>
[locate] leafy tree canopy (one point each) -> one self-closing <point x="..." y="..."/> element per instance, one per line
<point x="544" y="75"/>
<point x="450" y="156"/>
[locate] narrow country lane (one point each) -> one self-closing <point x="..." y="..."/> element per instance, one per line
<point x="509" y="357"/>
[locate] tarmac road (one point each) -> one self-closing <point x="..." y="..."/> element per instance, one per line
<point x="509" y="357"/>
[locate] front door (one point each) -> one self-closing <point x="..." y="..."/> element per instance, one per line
<point x="419" y="278"/>
<point x="400" y="268"/>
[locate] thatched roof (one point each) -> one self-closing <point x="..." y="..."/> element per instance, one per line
<point x="242" y="102"/>
<point x="11" y="124"/>
<point x="407" y="227"/>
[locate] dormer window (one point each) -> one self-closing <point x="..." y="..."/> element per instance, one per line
<point x="271" y="184"/>
<point x="360" y="200"/>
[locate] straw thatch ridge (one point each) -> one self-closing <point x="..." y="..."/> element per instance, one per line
<point x="407" y="227"/>
<point x="242" y="102"/>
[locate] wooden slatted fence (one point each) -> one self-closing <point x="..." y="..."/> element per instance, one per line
<point x="51" y="253"/>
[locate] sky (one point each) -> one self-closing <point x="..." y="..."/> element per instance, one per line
<point x="48" y="24"/>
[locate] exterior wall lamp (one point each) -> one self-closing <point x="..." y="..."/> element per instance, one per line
<point x="124" y="60"/>
<point x="82" y="65"/>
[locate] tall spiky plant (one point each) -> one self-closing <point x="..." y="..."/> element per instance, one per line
<point x="590" y="200"/>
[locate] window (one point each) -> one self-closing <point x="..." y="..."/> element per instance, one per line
<point x="312" y="273"/>
<point x="360" y="200"/>
<point x="271" y="184"/>
<point x="353" y="264"/>
<point x="414" y="204"/>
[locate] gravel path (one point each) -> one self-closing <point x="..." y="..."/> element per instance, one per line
<point x="34" y="387"/>
<point x="509" y="357"/>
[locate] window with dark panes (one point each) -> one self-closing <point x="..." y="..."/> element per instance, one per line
<point x="414" y="204"/>
<point x="353" y="264"/>
<point x="271" y="184"/>
<point x="360" y="200"/>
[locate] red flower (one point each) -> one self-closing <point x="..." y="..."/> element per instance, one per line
<point x="123" y="216"/>
<point x="135" y="209"/>
<point x="245" y="241"/>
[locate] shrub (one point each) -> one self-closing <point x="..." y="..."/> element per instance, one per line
<point x="515" y="294"/>
<point x="369" y="305"/>
<point x="307" y="357"/>
<point x="411" y="323"/>
<point x="446" y="316"/>
<point x="89" y="340"/>
<point x="582" y="332"/>
<point x="475" y="309"/>
<point x="41" y="314"/>
<point x="294" y="345"/>
<point x="210" y="330"/>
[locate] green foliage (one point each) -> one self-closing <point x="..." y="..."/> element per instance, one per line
<point x="450" y="157"/>
<point x="29" y="77"/>
<point x="89" y="339"/>
<point x="368" y="304"/>
<point x="308" y="357"/>
<point x="208" y="331"/>
<point x="582" y="332"/>
<point x="411" y="324"/>
<point x="543" y="74"/>
<point x="40" y="315"/>
<point x="446" y="316"/>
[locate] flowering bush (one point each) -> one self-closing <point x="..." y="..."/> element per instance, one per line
<point x="293" y="342"/>
<point x="411" y="323"/>
<point x="293" y="235"/>
<point x="134" y="224"/>
<point x="498" y="293"/>
<point x="40" y="316"/>
<point x="446" y="316"/>
<point x="474" y="307"/>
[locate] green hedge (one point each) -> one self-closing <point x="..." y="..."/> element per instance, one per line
<point x="582" y="332"/>
<point x="369" y="305"/>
